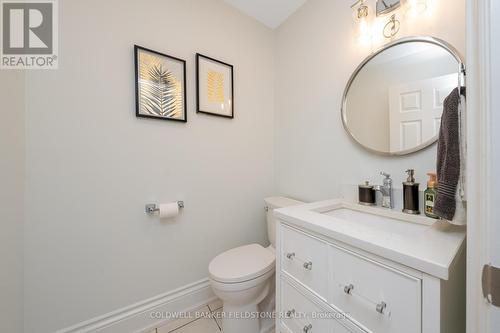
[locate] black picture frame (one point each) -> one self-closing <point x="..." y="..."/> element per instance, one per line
<point x="138" y="113"/>
<point x="198" y="108"/>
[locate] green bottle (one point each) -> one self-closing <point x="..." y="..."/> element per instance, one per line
<point x="430" y="195"/>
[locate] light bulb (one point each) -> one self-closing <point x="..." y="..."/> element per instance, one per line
<point x="362" y="22"/>
<point x="416" y="7"/>
<point x="365" y="33"/>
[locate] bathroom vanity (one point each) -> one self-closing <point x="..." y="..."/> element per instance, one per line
<point x="344" y="267"/>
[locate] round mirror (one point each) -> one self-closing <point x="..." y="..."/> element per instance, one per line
<point x="393" y="102"/>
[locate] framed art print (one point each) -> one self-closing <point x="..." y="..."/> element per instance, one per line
<point x="214" y="86"/>
<point x="160" y="85"/>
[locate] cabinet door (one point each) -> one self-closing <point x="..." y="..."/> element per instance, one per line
<point x="378" y="297"/>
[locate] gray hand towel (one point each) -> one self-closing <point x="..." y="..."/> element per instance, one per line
<point x="448" y="157"/>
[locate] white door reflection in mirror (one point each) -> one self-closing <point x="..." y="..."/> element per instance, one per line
<point x="415" y="110"/>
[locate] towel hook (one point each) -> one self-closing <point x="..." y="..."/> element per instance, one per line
<point x="461" y="77"/>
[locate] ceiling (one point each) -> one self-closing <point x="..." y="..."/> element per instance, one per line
<point x="269" y="12"/>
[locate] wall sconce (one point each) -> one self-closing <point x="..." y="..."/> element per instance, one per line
<point x="361" y="16"/>
<point x="369" y="27"/>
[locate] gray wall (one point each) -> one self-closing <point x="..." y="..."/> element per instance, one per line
<point x="92" y="165"/>
<point x="11" y="200"/>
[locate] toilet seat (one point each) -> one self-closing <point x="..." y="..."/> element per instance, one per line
<point x="242" y="264"/>
<point x="238" y="287"/>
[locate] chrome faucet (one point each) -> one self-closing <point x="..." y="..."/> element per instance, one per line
<point x="386" y="191"/>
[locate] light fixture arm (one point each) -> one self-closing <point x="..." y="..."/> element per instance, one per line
<point x="391" y="28"/>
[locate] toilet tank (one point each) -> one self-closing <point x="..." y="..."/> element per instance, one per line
<point x="275" y="203"/>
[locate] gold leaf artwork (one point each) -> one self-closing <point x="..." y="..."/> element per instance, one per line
<point x="215" y="86"/>
<point x="160" y="91"/>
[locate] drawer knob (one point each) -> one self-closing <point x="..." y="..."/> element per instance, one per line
<point x="348" y="289"/>
<point x="290" y="255"/>
<point x="290" y="313"/>
<point x="381" y="307"/>
<point x="308" y="265"/>
<point x="307" y="328"/>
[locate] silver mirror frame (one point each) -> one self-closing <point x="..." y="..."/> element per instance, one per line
<point x="425" y="39"/>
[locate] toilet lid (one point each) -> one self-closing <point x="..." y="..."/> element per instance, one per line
<point x="241" y="264"/>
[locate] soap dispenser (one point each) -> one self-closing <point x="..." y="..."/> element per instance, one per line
<point x="430" y="195"/>
<point x="411" y="194"/>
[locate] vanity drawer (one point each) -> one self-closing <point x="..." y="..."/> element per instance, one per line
<point x="302" y="315"/>
<point x="306" y="259"/>
<point x="378" y="297"/>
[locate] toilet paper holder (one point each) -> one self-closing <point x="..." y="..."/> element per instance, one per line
<point x="151" y="209"/>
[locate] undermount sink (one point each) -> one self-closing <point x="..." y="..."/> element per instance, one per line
<point x="369" y="217"/>
<point x="371" y="214"/>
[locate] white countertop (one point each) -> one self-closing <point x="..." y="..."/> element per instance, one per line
<point x="425" y="244"/>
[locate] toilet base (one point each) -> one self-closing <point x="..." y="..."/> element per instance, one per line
<point x="256" y="317"/>
<point x="248" y="306"/>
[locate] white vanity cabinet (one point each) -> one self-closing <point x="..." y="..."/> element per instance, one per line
<point x="327" y="282"/>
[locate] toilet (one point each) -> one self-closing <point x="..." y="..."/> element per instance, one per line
<point x="243" y="278"/>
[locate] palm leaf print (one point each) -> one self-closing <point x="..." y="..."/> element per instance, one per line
<point x="160" y="91"/>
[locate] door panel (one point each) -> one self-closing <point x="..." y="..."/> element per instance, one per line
<point x="415" y="110"/>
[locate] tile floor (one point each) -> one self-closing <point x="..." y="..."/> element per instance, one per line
<point x="202" y="320"/>
<point x="207" y="321"/>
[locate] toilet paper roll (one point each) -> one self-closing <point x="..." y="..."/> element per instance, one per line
<point x="170" y="209"/>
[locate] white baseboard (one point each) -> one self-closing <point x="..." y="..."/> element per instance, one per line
<point x="136" y="318"/>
